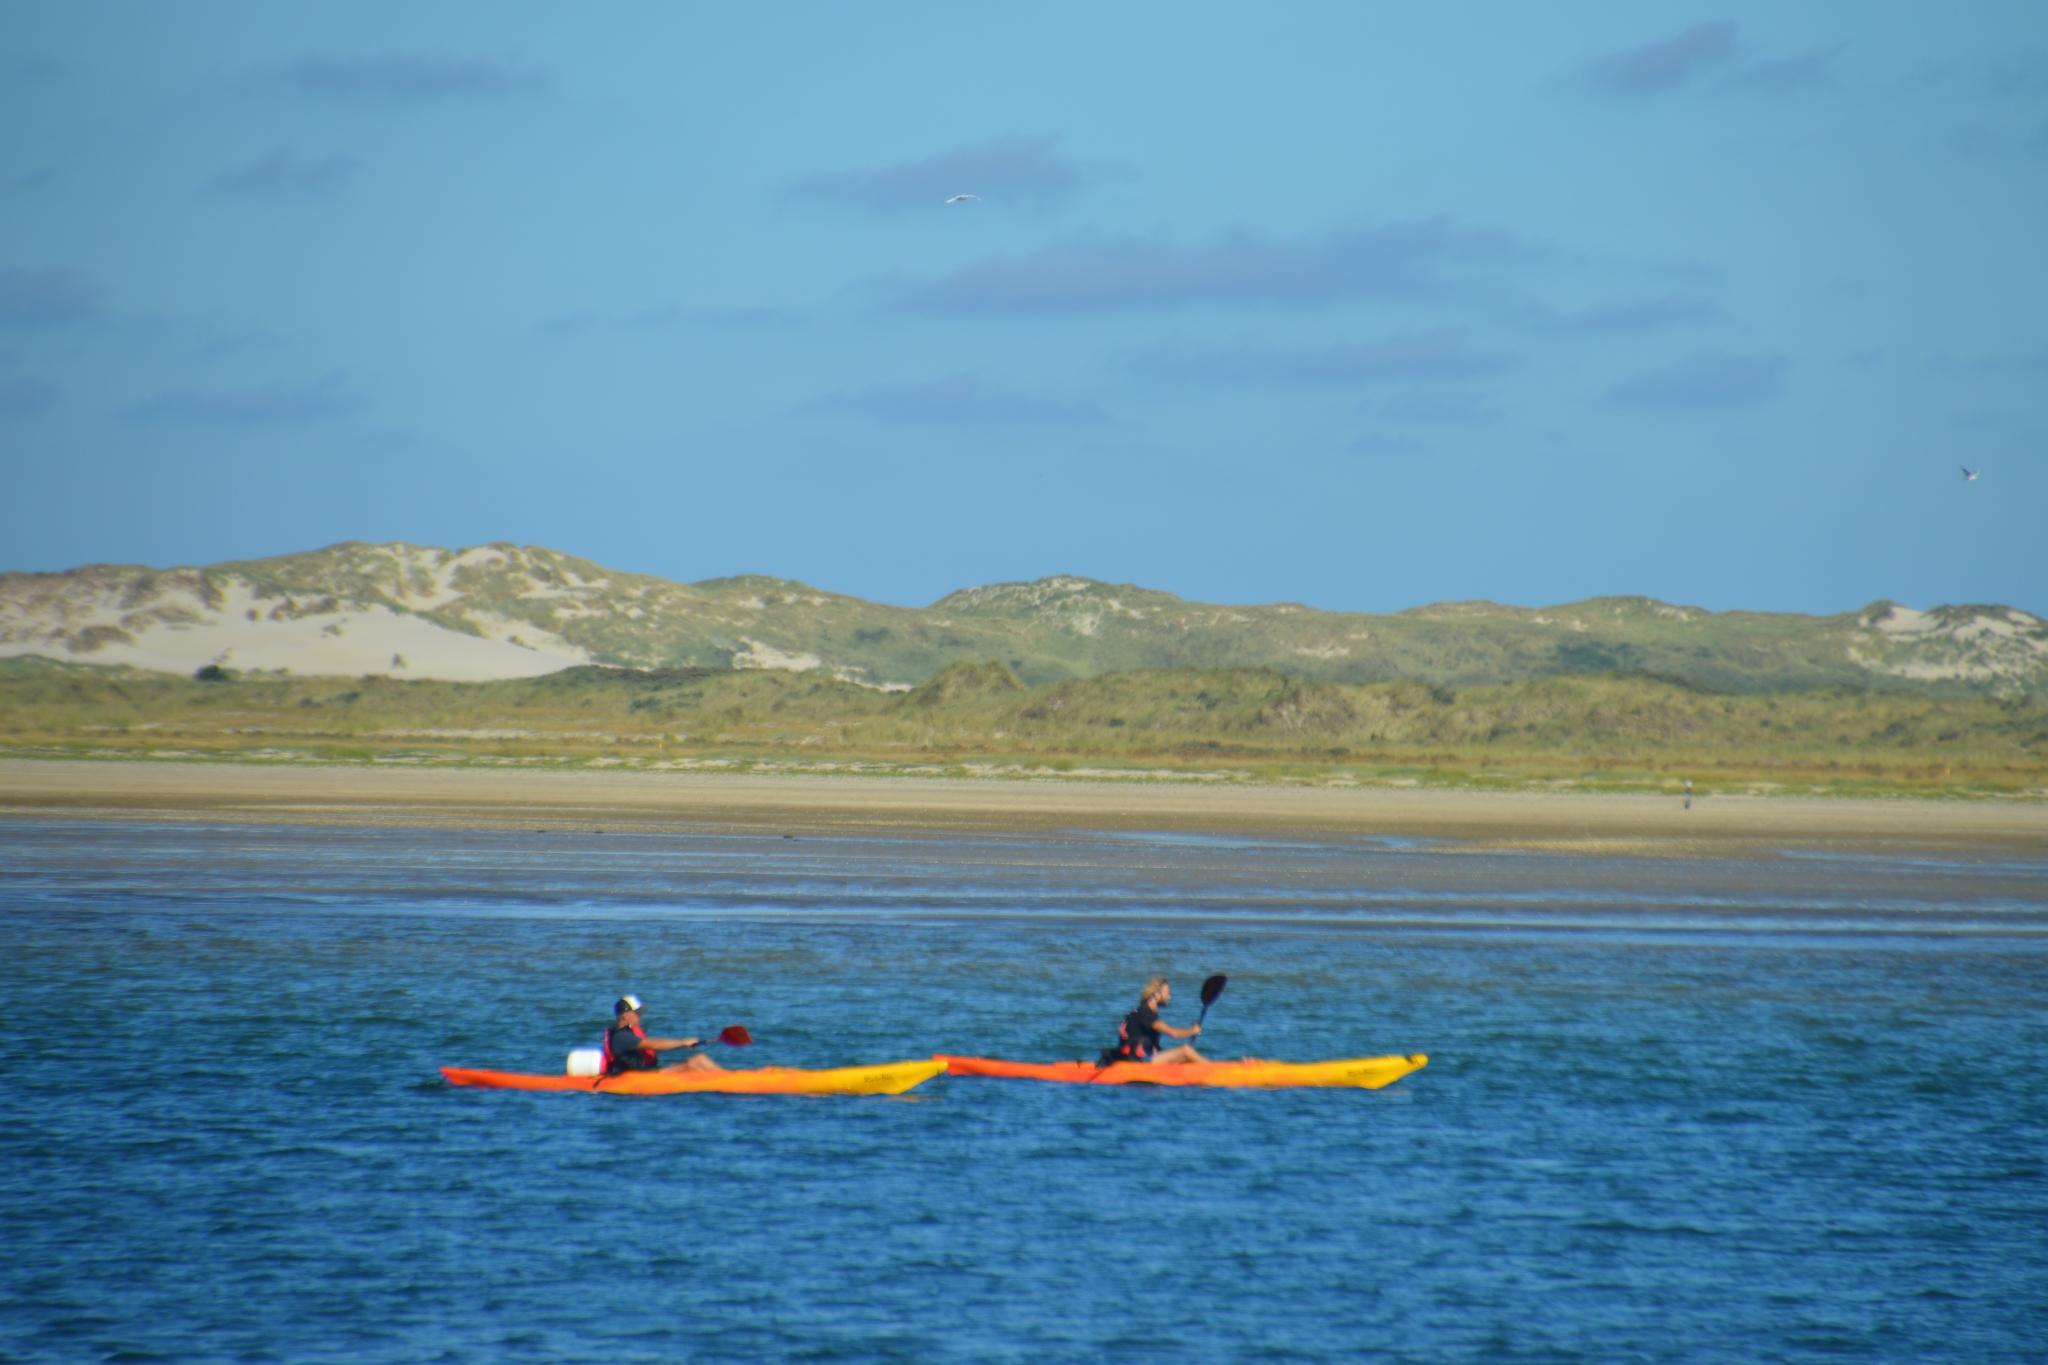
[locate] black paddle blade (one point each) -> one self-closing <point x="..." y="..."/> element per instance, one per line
<point x="735" y="1035"/>
<point x="1212" y="988"/>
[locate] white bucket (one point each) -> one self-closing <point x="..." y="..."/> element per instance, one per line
<point x="586" y="1061"/>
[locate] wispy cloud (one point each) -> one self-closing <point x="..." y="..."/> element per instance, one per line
<point x="282" y="173"/>
<point x="24" y="395"/>
<point x="223" y="344"/>
<point x="327" y="399"/>
<point x="1635" y="315"/>
<point x="1707" y="380"/>
<point x="47" y="297"/>
<point x="1416" y="259"/>
<point x="1435" y="407"/>
<point x="662" y="317"/>
<point x="1715" y="49"/>
<point x="1666" y="64"/>
<point x="1381" y="444"/>
<point x="1813" y="70"/>
<point x="404" y="78"/>
<point x="1435" y="356"/>
<point x="2013" y="73"/>
<point x="964" y="399"/>
<point x="1021" y="171"/>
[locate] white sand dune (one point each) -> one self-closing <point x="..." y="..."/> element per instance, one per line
<point x="349" y="642"/>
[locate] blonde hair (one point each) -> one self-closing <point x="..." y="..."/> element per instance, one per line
<point x="1153" y="985"/>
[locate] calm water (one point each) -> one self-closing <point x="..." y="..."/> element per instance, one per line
<point x="1786" y="1109"/>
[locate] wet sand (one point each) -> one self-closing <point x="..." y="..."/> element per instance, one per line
<point x="470" y="798"/>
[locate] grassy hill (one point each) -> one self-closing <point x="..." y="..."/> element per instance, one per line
<point x="524" y="610"/>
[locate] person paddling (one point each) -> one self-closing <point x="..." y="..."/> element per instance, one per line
<point x="628" y="1048"/>
<point x="1138" y="1035"/>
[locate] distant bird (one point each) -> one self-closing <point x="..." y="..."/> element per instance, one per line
<point x="1969" y="474"/>
<point x="964" y="199"/>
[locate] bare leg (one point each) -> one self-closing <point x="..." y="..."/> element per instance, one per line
<point x="1178" y="1056"/>
<point x="699" y="1062"/>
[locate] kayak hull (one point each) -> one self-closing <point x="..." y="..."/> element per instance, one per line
<point x="890" y="1078"/>
<point x="1362" y="1073"/>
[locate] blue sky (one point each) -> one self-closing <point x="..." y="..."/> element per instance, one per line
<point x="1359" y="305"/>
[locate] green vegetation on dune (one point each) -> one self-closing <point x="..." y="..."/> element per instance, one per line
<point x="1050" y="630"/>
<point x="1614" y="729"/>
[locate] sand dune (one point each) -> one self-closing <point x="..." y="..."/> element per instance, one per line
<point x="246" y="632"/>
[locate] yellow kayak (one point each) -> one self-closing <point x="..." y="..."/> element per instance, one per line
<point x="890" y="1078"/>
<point x="1366" y="1073"/>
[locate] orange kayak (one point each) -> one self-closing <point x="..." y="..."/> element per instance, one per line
<point x="1368" y="1073"/>
<point x="891" y="1078"/>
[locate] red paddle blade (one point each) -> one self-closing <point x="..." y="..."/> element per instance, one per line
<point x="735" y="1035"/>
<point x="1212" y="988"/>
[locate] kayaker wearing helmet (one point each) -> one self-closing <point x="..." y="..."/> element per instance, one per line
<point x="628" y="1048"/>
<point x="1138" y="1035"/>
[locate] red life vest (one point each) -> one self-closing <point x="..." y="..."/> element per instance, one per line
<point x="648" y="1061"/>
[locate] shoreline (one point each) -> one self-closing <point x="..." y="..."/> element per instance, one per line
<point x="463" y="798"/>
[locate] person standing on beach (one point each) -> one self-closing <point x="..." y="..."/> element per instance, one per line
<point x="1688" y="793"/>
<point x="1138" y="1035"/>
<point x="628" y="1048"/>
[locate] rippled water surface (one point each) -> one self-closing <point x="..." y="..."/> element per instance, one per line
<point x="1782" y="1109"/>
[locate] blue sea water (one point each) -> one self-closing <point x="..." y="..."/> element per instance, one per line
<point x="1791" y="1108"/>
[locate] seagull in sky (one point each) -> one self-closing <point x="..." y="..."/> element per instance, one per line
<point x="1969" y="474"/>
<point x="964" y="199"/>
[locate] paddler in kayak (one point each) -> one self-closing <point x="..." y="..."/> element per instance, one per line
<point x="628" y="1048"/>
<point x="1138" y="1034"/>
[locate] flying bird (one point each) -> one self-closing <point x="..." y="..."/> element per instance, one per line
<point x="1969" y="474"/>
<point x="964" y="199"/>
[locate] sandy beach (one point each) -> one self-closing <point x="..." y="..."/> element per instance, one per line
<point x="580" y="799"/>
